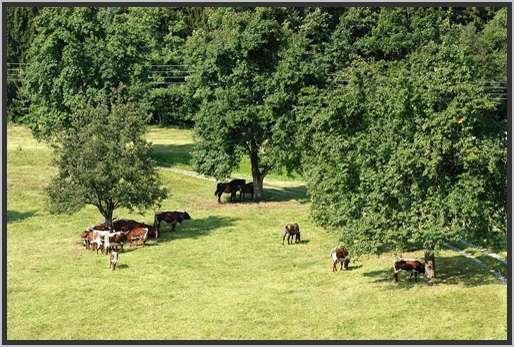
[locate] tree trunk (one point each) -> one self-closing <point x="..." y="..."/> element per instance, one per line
<point x="108" y="217"/>
<point x="258" y="177"/>
<point x="430" y="264"/>
<point x="258" y="190"/>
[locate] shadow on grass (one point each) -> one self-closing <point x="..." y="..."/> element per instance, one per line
<point x="450" y="270"/>
<point x="121" y="266"/>
<point x="298" y="193"/>
<point x="352" y="267"/>
<point x="194" y="228"/>
<point x="15" y="216"/>
<point x="171" y="155"/>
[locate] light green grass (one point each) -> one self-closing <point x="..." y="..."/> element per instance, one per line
<point x="222" y="275"/>
<point x="172" y="148"/>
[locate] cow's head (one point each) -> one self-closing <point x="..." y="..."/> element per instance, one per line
<point x="186" y="215"/>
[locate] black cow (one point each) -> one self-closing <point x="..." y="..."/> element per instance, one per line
<point x="229" y="187"/>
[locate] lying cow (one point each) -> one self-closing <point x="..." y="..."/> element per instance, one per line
<point x="412" y="265"/>
<point x="339" y="255"/>
<point x="291" y="230"/>
<point x="171" y="217"/>
<point x="138" y="234"/>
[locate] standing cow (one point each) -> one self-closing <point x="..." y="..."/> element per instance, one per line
<point x="171" y="217"/>
<point x="291" y="230"/>
<point x="231" y="187"/>
<point x="411" y="265"/>
<point x="339" y="255"/>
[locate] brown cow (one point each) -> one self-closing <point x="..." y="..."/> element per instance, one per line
<point x="339" y="255"/>
<point x="412" y="265"/>
<point x="137" y="234"/>
<point x="172" y="217"/>
<point x="292" y="230"/>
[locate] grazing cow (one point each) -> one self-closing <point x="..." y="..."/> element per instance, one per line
<point x="97" y="238"/>
<point x="339" y="255"/>
<point x="87" y="237"/>
<point x="114" y="241"/>
<point x="137" y="234"/>
<point x="231" y="187"/>
<point x="292" y="231"/>
<point x="246" y="189"/>
<point x="113" y="260"/>
<point x="172" y="217"/>
<point x="412" y="265"/>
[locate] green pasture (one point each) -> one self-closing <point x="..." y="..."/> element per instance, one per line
<point x="222" y="275"/>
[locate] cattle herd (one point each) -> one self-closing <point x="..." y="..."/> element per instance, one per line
<point x="110" y="239"/>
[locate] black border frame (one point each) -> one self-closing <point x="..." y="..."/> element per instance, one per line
<point x="311" y="3"/>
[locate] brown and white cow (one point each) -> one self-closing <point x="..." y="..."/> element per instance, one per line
<point x="137" y="234"/>
<point x="412" y="265"/>
<point x="339" y="255"/>
<point x="113" y="260"/>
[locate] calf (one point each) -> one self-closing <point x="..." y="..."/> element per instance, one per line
<point x="292" y="230"/>
<point x="339" y="255"/>
<point x="113" y="260"/>
<point x="412" y="265"/>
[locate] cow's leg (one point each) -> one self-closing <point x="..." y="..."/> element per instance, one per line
<point x="283" y="238"/>
<point x="173" y="224"/>
<point x="415" y="276"/>
<point x="334" y="266"/>
<point x="219" y="197"/>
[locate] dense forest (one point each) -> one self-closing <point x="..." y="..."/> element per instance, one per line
<point x="395" y="117"/>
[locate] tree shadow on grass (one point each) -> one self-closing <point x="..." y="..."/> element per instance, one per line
<point x="298" y="193"/>
<point x="15" y="216"/>
<point x="450" y="270"/>
<point x="194" y="228"/>
<point x="171" y="155"/>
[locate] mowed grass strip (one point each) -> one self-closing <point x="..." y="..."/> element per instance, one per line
<point x="222" y="275"/>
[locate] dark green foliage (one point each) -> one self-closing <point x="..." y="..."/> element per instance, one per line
<point x="232" y="61"/>
<point x="20" y="31"/>
<point x="409" y="148"/>
<point x="248" y="68"/>
<point x="104" y="160"/>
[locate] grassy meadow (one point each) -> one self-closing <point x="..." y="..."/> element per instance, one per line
<point x="222" y="275"/>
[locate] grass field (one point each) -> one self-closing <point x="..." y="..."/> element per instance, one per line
<point x="222" y="275"/>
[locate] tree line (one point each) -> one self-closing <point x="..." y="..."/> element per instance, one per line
<point x="395" y="117"/>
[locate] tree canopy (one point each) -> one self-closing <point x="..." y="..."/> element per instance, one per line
<point x="407" y="146"/>
<point x="104" y="161"/>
